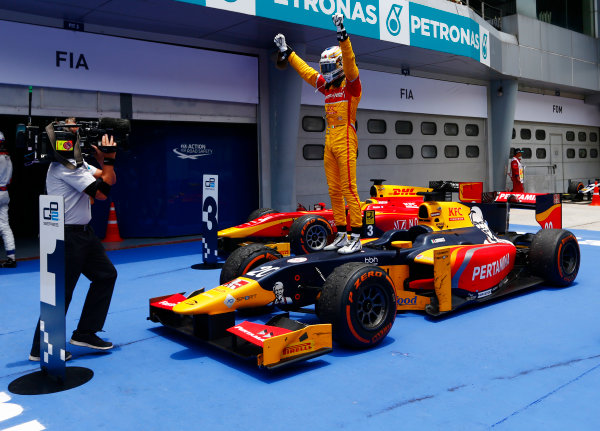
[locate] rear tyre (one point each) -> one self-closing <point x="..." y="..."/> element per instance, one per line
<point x="573" y="190"/>
<point x="554" y="255"/>
<point x="259" y="213"/>
<point x="309" y="233"/>
<point x="360" y="302"/>
<point x="245" y="258"/>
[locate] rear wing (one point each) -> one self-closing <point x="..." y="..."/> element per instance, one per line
<point x="547" y="206"/>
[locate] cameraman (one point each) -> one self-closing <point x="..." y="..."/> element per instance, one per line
<point x="80" y="184"/>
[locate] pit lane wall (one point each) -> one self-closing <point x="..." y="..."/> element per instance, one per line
<point x="440" y="26"/>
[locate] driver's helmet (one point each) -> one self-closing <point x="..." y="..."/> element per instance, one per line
<point x="331" y="64"/>
<point x="2" y="142"/>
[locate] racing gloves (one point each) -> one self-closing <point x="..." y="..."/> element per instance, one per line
<point x="284" y="51"/>
<point x="338" y="20"/>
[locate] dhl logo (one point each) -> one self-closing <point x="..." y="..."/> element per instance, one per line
<point x="294" y="349"/>
<point x="404" y="191"/>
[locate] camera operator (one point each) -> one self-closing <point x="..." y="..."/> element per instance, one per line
<point x="80" y="184"/>
<point x="6" y="170"/>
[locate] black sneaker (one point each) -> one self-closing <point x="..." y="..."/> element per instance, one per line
<point x="35" y="356"/>
<point x="9" y="263"/>
<point x="90" y="340"/>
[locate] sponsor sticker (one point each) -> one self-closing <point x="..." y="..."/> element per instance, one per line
<point x="297" y="260"/>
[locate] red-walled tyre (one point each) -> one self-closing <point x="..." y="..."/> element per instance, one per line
<point x="554" y="255"/>
<point x="360" y="302"/>
<point x="309" y="233"/>
<point x="243" y="259"/>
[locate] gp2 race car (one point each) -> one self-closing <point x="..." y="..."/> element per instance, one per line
<point x="452" y="258"/>
<point x="302" y="232"/>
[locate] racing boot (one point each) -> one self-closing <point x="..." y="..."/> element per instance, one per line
<point x="8" y="263"/>
<point x="353" y="246"/>
<point x="339" y="241"/>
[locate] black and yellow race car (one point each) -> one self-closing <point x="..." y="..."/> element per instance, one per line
<point x="452" y="258"/>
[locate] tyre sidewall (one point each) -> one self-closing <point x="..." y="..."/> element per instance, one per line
<point x="547" y="254"/>
<point x="246" y="258"/>
<point x="299" y="229"/>
<point x="347" y="327"/>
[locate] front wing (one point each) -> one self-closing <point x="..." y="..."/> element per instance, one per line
<point x="280" y="342"/>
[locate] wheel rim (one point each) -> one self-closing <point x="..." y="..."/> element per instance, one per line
<point x="372" y="307"/>
<point x="316" y="237"/>
<point x="569" y="257"/>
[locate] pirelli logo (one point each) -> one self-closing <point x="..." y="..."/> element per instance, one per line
<point x="297" y="348"/>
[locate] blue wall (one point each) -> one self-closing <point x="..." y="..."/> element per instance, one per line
<point x="159" y="192"/>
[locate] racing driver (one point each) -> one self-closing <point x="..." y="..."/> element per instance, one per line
<point x="340" y="84"/>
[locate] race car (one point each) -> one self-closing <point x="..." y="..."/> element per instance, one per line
<point x="306" y="231"/>
<point x="450" y="259"/>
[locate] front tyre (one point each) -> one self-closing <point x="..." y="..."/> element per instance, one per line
<point x="309" y="233"/>
<point x="554" y="255"/>
<point x="245" y="258"/>
<point x="360" y="302"/>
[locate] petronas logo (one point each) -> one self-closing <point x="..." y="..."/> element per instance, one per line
<point x="393" y="20"/>
<point x="484" y="46"/>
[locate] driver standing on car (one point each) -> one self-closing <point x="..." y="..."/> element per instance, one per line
<point x="340" y="84"/>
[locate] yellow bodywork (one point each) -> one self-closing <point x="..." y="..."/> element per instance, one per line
<point x="236" y="232"/>
<point x="390" y="191"/>
<point x="444" y="215"/>
<point x="239" y="293"/>
<point x="293" y="344"/>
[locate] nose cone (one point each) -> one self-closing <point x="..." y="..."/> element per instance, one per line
<point x="239" y="293"/>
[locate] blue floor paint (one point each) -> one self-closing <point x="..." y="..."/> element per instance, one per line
<point x="528" y="361"/>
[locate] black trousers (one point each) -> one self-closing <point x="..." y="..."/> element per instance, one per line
<point x="85" y="254"/>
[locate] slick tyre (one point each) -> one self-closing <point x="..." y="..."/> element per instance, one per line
<point x="243" y="259"/>
<point x="309" y="233"/>
<point x="360" y="303"/>
<point x="573" y="190"/>
<point x="259" y="213"/>
<point x="554" y="255"/>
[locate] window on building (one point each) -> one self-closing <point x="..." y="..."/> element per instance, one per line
<point x="472" y="130"/>
<point x="377" y="151"/>
<point x="313" y="152"/>
<point x="570" y="135"/>
<point x="540" y="134"/>
<point x="540" y="153"/>
<point x="428" y="128"/>
<point x="581" y="136"/>
<point x="404" y="151"/>
<point x="582" y="153"/>
<point x="514" y="134"/>
<point x="570" y="153"/>
<point x="593" y="153"/>
<point x="472" y="151"/>
<point x="404" y="127"/>
<point x="450" y="129"/>
<point x="451" y="151"/>
<point x="593" y="137"/>
<point x="313" y="124"/>
<point x="525" y="134"/>
<point x="527" y="154"/>
<point x="429" y="151"/>
<point x="376" y="126"/>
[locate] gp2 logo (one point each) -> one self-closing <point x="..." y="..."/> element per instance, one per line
<point x="51" y="213"/>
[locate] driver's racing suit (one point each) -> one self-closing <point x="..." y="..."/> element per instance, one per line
<point x="340" y="141"/>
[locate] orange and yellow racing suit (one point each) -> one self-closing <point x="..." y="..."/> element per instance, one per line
<point x="341" y="143"/>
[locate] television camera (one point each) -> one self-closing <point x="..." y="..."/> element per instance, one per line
<point x="39" y="149"/>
